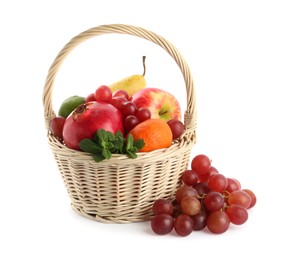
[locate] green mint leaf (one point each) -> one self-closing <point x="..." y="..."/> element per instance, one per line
<point x="130" y="142"/>
<point x="119" y="134"/>
<point x="98" y="157"/>
<point x="139" y="144"/>
<point x="101" y="137"/>
<point x="106" y="153"/>
<point x="110" y="136"/>
<point x="132" y="155"/>
<point x="118" y="143"/>
<point x="87" y="145"/>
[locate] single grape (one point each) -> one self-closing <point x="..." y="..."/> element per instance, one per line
<point x="130" y="122"/>
<point x="177" y="128"/>
<point x="204" y="177"/>
<point x="201" y="164"/>
<point x="103" y="94"/>
<point x="239" y="197"/>
<point x="184" y="191"/>
<point x="218" y="222"/>
<point x="253" y="197"/>
<point x="190" y="177"/>
<point x="118" y="102"/>
<point x="143" y="114"/>
<point x="200" y="220"/>
<point x="190" y="205"/>
<point x="90" y="97"/>
<point x="233" y="185"/>
<point x="201" y="188"/>
<point x="56" y="126"/>
<point x="176" y="209"/>
<point x="237" y="214"/>
<point x="121" y="93"/>
<point x="162" y="206"/>
<point x="214" y="201"/>
<point x="128" y="108"/>
<point x="162" y="224"/>
<point x="217" y="182"/>
<point x="183" y="225"/>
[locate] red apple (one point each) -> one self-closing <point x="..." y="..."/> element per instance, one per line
<point x="161" y="103"/>
<point x="87" y="118"/>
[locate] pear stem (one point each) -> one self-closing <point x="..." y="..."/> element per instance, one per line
<point x="143" y="63"/>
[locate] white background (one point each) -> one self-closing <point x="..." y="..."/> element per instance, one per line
<point x="234" y="50"/>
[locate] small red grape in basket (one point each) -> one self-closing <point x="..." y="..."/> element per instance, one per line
<point x="56" y="126"/>
<point x="143" y="114"/>
<point x="128" y="108"/>
<point x="103" y="94"/>
<point x="118" y="102"/>
<point x="177" y="128"/>
<point x="121" y="93"/>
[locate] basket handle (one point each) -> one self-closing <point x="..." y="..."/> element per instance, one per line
<point x="189" y="116"/>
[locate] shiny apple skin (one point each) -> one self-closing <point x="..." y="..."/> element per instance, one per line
<point x="161" y="103"/>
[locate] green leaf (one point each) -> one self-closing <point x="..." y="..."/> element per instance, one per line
<point x="117" y="145"/>
<point x="119" y="134"/>
<point x="87" y="145"/>
<point x="132" y="155"/>
<point x="106" y="153"/>
<point x="105" y="143"/>
<point x="139" y="144"/>
<point x="98" y="157"/>
<point x="130" y="142"/>
<point x="110" y="136"/>
<point x="101" y="137"/>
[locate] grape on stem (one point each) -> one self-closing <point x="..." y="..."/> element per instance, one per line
<point x="214" y="201"/>
<point x="128" y="108"/>
<point x="183" y="225"/>
<point x="253" y="197"/>
<point x="217" y="182"/>
<point x="218" y="222"/>
<point x="162" y="224"/>
<point x="237" y="214"/>
<point x="190" y="177"/>
<point x="239" y="197"/>
<point x="201" y="164"/>
<point x="162" y="206"/>
<point x="103" y="94"/>
<point x="143" y="114"/>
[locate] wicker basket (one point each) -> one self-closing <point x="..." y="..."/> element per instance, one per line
<point x="121" y="190"/>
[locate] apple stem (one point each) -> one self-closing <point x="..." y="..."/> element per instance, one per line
<point x="143" y="62"/>
<point x="163" y="113"/>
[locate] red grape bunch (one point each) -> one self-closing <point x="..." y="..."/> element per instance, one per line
<point x="206" y="199"/>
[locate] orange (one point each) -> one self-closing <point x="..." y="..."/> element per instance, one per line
<point x="156" y="134"/>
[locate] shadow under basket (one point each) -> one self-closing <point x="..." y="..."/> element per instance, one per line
<point x="121" y="189"/>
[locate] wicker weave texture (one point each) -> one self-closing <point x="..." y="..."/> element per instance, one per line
<point x="121" y="190"/>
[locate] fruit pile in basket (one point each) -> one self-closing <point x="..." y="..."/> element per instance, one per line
<point x="125" y="118"/>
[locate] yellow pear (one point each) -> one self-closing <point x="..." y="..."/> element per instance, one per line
<point x="131" y="84"/>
